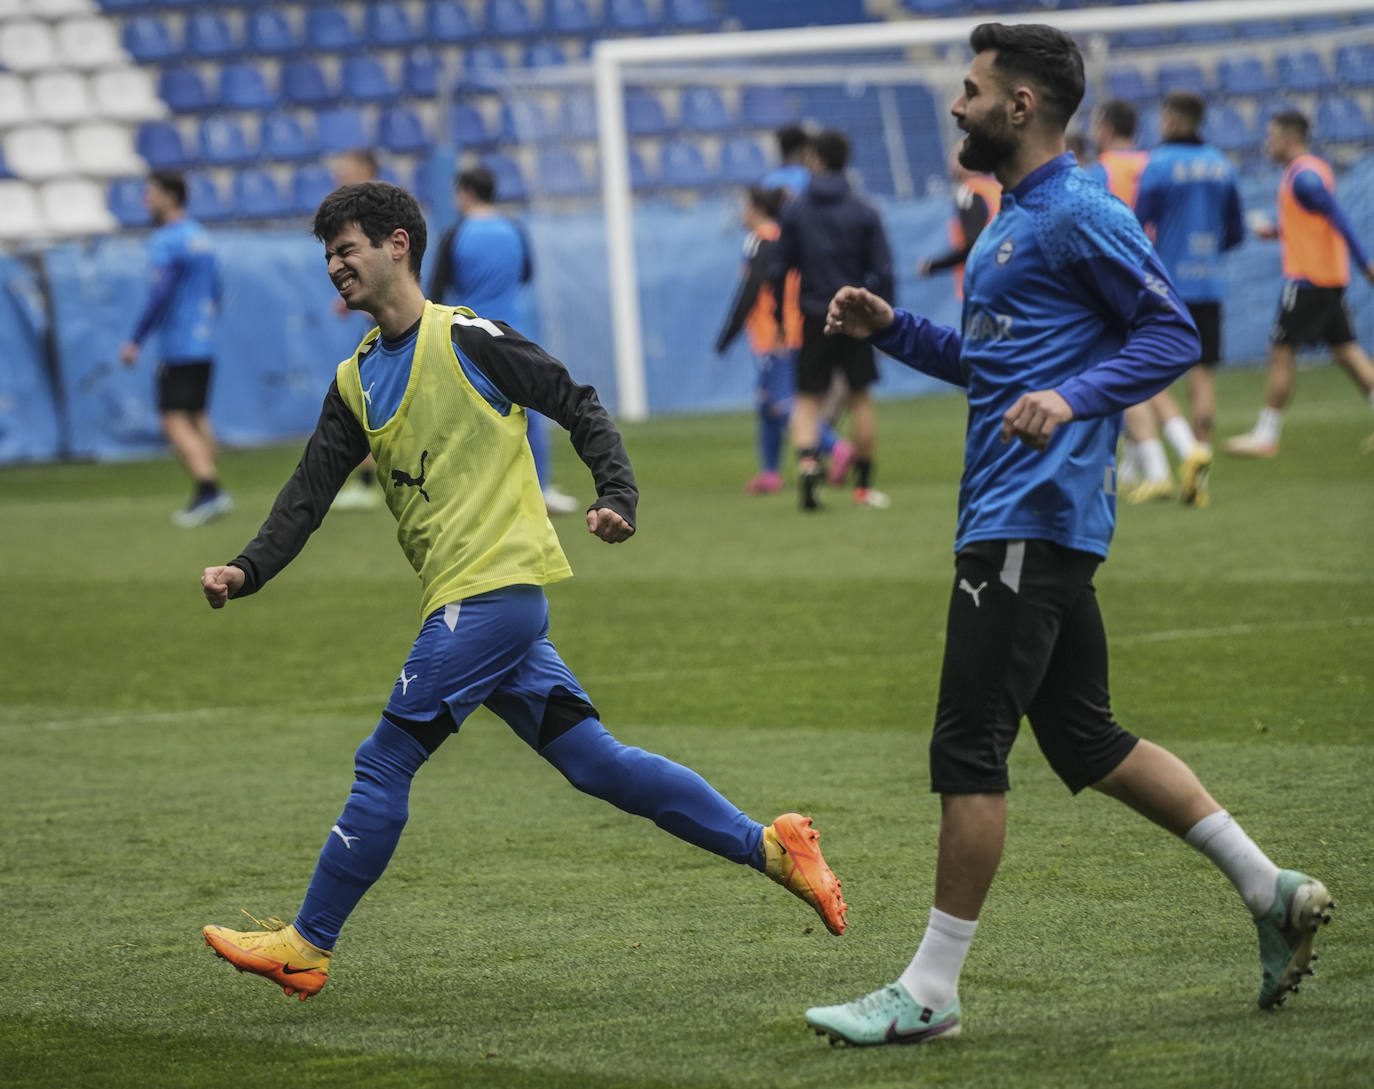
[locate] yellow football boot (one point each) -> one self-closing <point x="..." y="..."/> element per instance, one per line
<point x="792" y="858"/>
<point x="277" y="953"/>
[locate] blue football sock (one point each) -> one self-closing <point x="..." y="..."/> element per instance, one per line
<point x="361" y="843"/>
<point x="772" y="427"/>
<point x="675" y="798"/>
<point x="829" y="437"/>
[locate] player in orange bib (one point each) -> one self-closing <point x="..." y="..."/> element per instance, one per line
<point x="975" y="201"/>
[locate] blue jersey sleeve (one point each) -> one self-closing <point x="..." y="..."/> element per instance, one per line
<point x="923" y="346"/>
<point x="164" y="286"/>
<point x="1316" y="198"/>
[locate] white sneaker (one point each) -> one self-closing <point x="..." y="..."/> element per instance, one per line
<point x="356" y="495"/>
<point x="871" y="497"/>
<point x="207" y="510"/>
<point x="556" y="502"/>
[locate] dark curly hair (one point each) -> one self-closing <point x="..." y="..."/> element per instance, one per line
<point x="378" y="208"/>
<point x="1040" y="54"/>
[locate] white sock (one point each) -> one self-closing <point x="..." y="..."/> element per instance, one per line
<point x="932" y="977"/>
<point x="1234" y="853"/>
<point x="1269" y="424"/>
<point x="1180" y="437"/>
<point x="1128" y="465"/>
<point x="1154" y="460"/>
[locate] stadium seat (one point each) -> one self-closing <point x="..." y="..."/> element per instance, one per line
<point x="420" y="73"/>
<point x="510" y="180"/>
<point x="243" y="87"/>
<point x="644" y="113"/>
<point x="1340" y="120"/>
<point x="203" y="198"/>
<point x="1264" y="28"/>
<point x="222" y="141"/>
<point x="127" y="94"/>
<point x="282" y="136"/>
<point x="75" y="206"/>
<point x="257" y="195"/>
<point x="630" y="15"/>
<point x="449" y="21"/>
<point x="147" y="39"/>
<point x="1227" y="128"/>
<point x="934" y="8"/>
<point x="20" y="216"/>
<point x="16" y="106"/>
<point x="765" y="108"/>
<point x="269" y="32"/>
<point x="27" y="46"/>
<point x="184" y="91"/>
<point x="690" y="14"/>
<point x="703" y="110"/>
<point x="363" y="78"/>
<point x="579" y="116"/>
<point x="1242" y="74"/>
<point x="388" y="25"/>
<point x="569" y="17"/>
<point x="483" y="68"/>
<point x="36" y="152"/>
<point x="51" y="9"/>
<point x="1301" y="71"/>
<point x="60" y="97"/>
<point x="683" y="165"/>
<point x="303" y="84"/>
<point x="161" y="145"/>
<point x="310" y="184"/>
<point x="88" y="44"/>
<point x="328" y="30"/>
<point x="509" y="19"/>
<point x="543" y="55"/>
<point x="341" y="129"/>
<point x="640" y="178"/>
<point x="208" y="36"/>
<point x="468" y="127"/>
<point x="1143" y="38"/>
<point x="1205" y="34"/>
<point x="559" y="173"/>
<point x="1355" y="65"/>
<point x="523" y="121"/>
<point x="125" y="201"/>
<point x="742" y="161"/>
<point x="103" y="149"/>
<point x="1147" y="132"/>
<point x="1181" y="76"/>
<point x="400" y="129"/>
<point x="1128" y="82"/>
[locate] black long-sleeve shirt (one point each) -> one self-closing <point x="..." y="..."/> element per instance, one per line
<point x="524" y="374"/>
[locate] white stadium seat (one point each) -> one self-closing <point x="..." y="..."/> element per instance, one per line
<point x="89" y="43"/>
<point x="75" y="206"/>
<point x="101" y="149"/>
<point x="37" y="152"/>
<point x="19" y="215"/>
<point x="60" y="97"/>
<point x="54" y="9"/>
<point x="16" y="107"/>
<point x="127" y="94"/>
<point x="27" y="46"/>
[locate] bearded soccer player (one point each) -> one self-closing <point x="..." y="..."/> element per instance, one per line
<point x="439" y="395"/>
<point x="1068" y="318"/>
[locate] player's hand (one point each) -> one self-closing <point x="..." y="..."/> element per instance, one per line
<point x="609" y="526"/>
<point x="128" y="353"/>
<point x="857" y="312"/>
<point x="1034" y="417"/>
<point x="220" y="584"/>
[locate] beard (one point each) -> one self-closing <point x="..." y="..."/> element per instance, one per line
<point x="987" y="147"/>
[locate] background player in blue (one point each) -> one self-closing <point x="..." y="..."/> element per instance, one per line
<point x="484" y="262"/>
<point x="180" y="311"/>
<point x="1068" y="318"/>
<point x="792" y="173"/>
<point x="438" y="393"/>
<point x="1189" y="200"/>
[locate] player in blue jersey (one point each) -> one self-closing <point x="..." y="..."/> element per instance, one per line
<point x="1068" y="318"/>
<point x="484" y="262"/>
<point x="1189" y="199"/>
<point x="791" y="174"/>
<point x="180" y="311"/>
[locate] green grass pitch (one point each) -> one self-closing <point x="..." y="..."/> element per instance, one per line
<point x="163" y="766"/>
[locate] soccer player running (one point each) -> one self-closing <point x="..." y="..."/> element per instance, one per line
<point x="1068" y="318"/>
<point x="1316" y="242"/>
<point x="1189" y="200"/>
<point x="181" y="311"/>
<point x="439" y="396"/>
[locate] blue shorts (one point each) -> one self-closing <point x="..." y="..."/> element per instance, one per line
<point x="777" y="378"/>
<point x="493" y="650"/>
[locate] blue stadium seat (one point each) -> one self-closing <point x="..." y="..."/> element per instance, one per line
<point x="510" y="181"/>
<point x="1143" y="38"/>
<point x="934" y="8"/>
<point x="644" y="113"/>
<point x="765" y="108"/>
<point x="363" y="78"/>
<point x="855" y="109"/>
<point x="243" y="87"/>
<point x="742" y="161"/>
<point x="1242" y="74"/>
<point x="160" y="144"/>
<point x="303" y="84"/>
<point x="690" y="14"/>
<point x="1205" y="34"/>
<point x="703" y="110"/>
<point x="222" y="142"/>
<point x="310" y="184"/>
<point x="125" y="201"/>
<point x="923" y="125"/>
<point x="1128" y="82"/>
<point x="449" y="21"/>
<point x="569" y="17"/>
<point x="631" y="15"/>
<point x="282" y="136"/>
<point x="1355" y="65"/>
<point x="1340" y="120"/>
<point x="208" y="36"/>
<point x="468" y="127"/>
<point x="1147" y="130"/>
<point x="148" y="40"/>
<point x="483" y="67"/>
<point x="509" y="19"/>
<point x="257" y="195"/>
<point x="388" y="24"/>
<point x="1301" y="70"/>
<point x="400" y="129"/>
<point x="184" y="91"/>
<point x="420" y="72"/>
<point x="640" y="178"/>
<point x="328" y="30"/>
<point x="544" y="55"/>
<point x="579" y="116"/>
<point x="683" y="165"/>
<point x="1227" y="128"/>
<point x="523" y="121"/>
<point x="203" y="198"/>
<point x="559" y="173"/>
<point x="1264" y="28"/>
<point x="341" y="129"/>
<point x="269" y="32"/>
<point x="1181" y="76"/>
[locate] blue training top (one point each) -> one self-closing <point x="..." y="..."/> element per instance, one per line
<point x="492" y="260"/>
<point x="385" y="373"/>
<point x="1063" y="292"/>
<point x="1188" y="193"/>
<point x="184" y="299"/>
